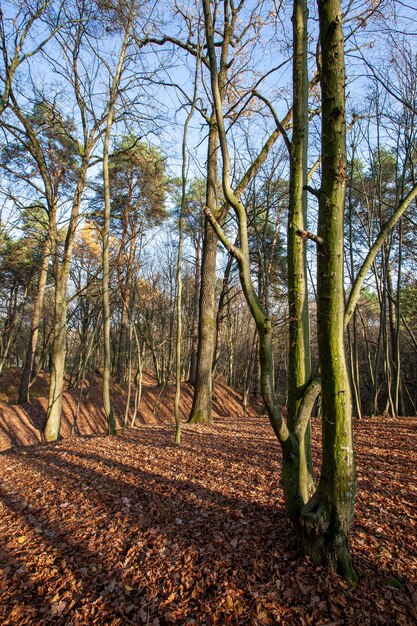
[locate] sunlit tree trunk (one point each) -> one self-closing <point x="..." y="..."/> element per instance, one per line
<point x="352" y="328"/>
<point x="54" y="411"/>
<point x="203" y="387"/>
<point x="111" y="424"/>
<point x="196" y="299"/>
<point x="398" y="391"/>
<point x="108" y="408"/>
<point x="177" y="416"/>
<point x="299" y="371"/>
<point x="328" y="515"/>
<point x="220" y="309"/>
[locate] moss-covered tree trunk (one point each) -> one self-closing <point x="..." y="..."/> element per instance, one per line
<point x="324" y="522"/>
<point x="327" y="517"/>
<point x="299" y="371"/>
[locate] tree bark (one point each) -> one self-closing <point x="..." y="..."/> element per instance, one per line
<point x="299" y="371"/>
<point x="34" y="331"/>
<point x="54" y="411"/>
<point x="326" y="519"/>
<point x="115" y="85"/>
<point x="201" y="410"/>
<point x="108" y="409"/>
<point x="196" y="300"/>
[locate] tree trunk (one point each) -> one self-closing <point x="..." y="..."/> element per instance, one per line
<point x="113" y="94"/>
<point x="177" y="416"/>
<point x="34" y="331"/>
<point x="299" y="370"/>
<point x="61" y="270"/>
<point x="108" y="409"/>
<point x="219" y="314"/>
<point x="203" y="388"/>
<point x="196" y="298"/>
<point x="123" y="341"/>
<point x="326" y="519"/>
<point x="53" y="416"/>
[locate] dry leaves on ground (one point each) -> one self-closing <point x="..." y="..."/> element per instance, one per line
<point x="132" y="530"/>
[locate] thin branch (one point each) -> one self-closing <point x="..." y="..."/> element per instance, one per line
<point x="305" y="234"/>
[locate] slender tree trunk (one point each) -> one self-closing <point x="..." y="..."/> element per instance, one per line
<point x="129" y="378"/>
<point x="203" y="387"/>
<point x="13" y="326"/>
<point x="398" y="392"/>
<point x="177" y="416"/>
<point x="352" y="329"/>
<point x="138" y="378"/>
<point x="299" y="370"/>
<point x="388" y="329"/>
<point x="196" y="299"/>
<point x="327" y="516"/>
<point x="249" y="367"/>
<point x="54" y="411"/>
<point x="108" y="408"/>
<point x="89" y="350"/>
<point x="111" y="423"/>
<point x="223" y="293"/>
<point x="34" y="331"/>
<point x="123" y="341"/>
<point x="56" y="385"/>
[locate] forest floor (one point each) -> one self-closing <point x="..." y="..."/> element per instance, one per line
<point x="130" y="529"/>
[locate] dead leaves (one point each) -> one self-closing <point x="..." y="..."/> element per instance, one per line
<point x="129" y="530"/>
<point x="57" y="608"/>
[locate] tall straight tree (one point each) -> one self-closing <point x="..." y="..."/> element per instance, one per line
<point x="177" y="437"/>
<point x="328" y="515"/>
<point x="203" y="384"/>
<point x="127" y="21"/>
<point x="72" y="70"/>
<point x="34" y="331"/>
<point x="45" y="139"/>
<point x="299" y="370"/>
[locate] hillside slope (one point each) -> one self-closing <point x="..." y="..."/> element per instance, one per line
<point x="21" y="425"/>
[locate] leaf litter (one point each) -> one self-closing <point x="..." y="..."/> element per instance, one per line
<point x="133" y="530"/>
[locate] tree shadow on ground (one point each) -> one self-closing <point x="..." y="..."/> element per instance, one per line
<point x="127" y="529"/>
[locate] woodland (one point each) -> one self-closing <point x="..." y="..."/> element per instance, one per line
<point x="208" y="312"/>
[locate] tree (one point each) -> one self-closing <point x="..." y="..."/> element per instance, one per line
<point x="40" y="224"/>
<point x="193" y="226"/>
<point x="324" y="520"/>
<point x="233" y="35"/>
<point x="14" y="39"/>
<point x="327" y="517"/>
<point x="127" y="21"/>
<point x="137" y="195"/>
<point x="45" y="154"/>
<point x="299" y="370"/>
